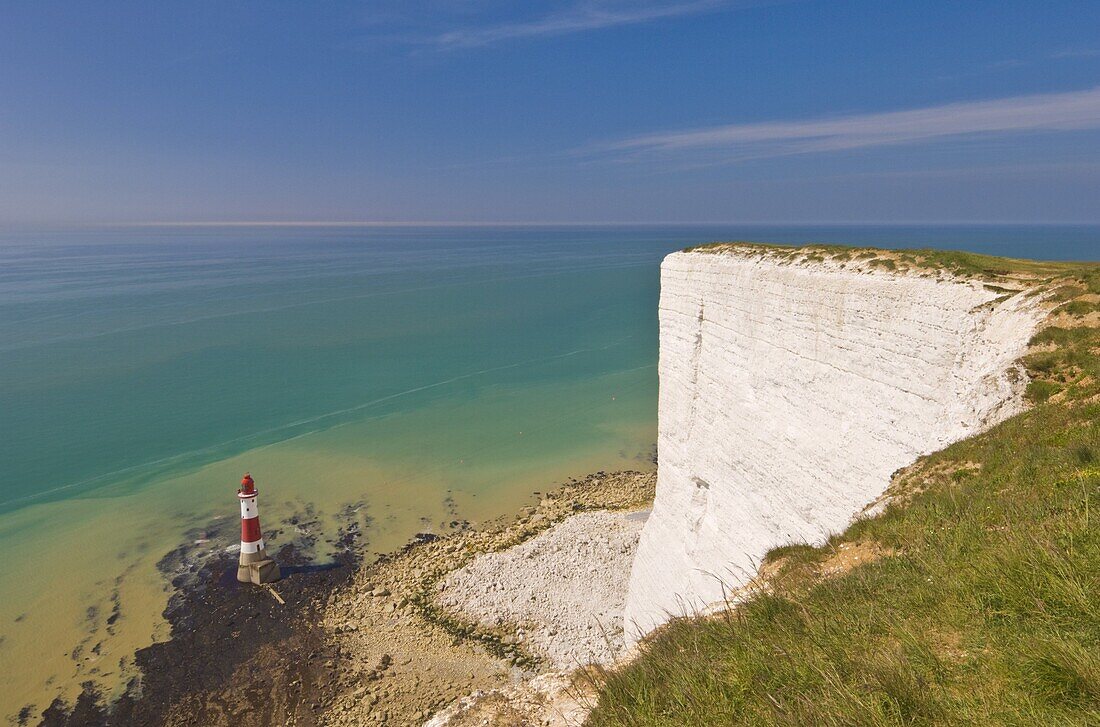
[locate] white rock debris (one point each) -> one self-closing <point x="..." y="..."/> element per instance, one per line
<point x="790" y="391"/>
<point x="549" y="700"/>
<point x="565" y="588"/>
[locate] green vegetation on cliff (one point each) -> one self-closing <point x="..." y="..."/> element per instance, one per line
<point x="974" y="598"/>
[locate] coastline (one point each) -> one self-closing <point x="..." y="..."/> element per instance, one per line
<point x="409" y="637"/>
<point x="104" y="596"/>
<point x="349" y="642"/>
<point x="426" y="655"/>
<point x="378" y="401"/>
<point x="235" y="653"/>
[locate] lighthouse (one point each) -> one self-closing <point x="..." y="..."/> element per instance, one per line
<point x="255" y="566"/>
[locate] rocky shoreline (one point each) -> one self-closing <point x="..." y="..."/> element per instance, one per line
<point x="348" y="643"/>
<point x="435" y="654"/>
<point x="236" y="654"/>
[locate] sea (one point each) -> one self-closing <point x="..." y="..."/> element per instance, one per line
<point x="402" y="378"/>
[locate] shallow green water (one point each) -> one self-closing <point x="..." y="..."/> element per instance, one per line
<point x="416" y="377"/>
<point x="178" y="351"/>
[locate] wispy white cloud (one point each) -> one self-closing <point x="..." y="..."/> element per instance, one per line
<point x="1077" y="53"/>
<point x="1074" y="110"/>
<point x="582" y="17"/>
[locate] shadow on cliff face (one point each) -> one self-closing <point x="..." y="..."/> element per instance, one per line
<point x="236" y="656"/>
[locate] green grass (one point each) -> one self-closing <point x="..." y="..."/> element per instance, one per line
<point x="963" y="264"/>
<point x="1079" y="308"/>
<point x="984" y="608"/>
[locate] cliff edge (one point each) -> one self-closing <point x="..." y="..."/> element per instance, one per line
<point x="791" y="387"/>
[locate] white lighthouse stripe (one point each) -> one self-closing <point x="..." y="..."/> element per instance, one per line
<point x="249" y="509"/>
<point x="252" y="547"/>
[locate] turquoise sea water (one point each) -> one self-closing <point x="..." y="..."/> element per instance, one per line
<point x="126" y="349"/>
<point x="133" y="353"/>
<point x="418" y="373"/>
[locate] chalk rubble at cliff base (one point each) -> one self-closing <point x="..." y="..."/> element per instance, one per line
<point x="402" y="661"/>
<point x="555" y="699"/>
<point x="566" y="588"/>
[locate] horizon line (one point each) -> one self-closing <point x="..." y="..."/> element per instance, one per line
<point x="529" y="223"/>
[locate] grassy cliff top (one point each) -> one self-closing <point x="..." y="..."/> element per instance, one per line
<point x="926" y="261"/>
<point x="973" y="598"/>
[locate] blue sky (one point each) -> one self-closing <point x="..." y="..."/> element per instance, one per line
<point x="563" y="111"/>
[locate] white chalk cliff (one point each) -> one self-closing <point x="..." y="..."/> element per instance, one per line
<point x="790" y="391"/>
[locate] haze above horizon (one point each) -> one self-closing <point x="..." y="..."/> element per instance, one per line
<point x="552" y="112"/>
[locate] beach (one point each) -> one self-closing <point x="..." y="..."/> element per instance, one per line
<point x="141" y="379"/>
<point x="444" y="646"/>
<point x="354" y="642"/>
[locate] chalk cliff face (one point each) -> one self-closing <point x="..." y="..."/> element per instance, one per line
<point x="790" y="392"/>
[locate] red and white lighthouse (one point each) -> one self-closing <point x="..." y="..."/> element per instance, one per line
<point x="255" y="566"/>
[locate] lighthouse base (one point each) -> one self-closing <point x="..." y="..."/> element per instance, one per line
<point x="264" y="571"/>
<point x="258" y="568"/>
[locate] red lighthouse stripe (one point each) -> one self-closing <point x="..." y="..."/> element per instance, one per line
<point x="250" y="530"/>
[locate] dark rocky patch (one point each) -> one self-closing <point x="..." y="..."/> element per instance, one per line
<point x="235" y="655"/>
<point x="87" y="712"/>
